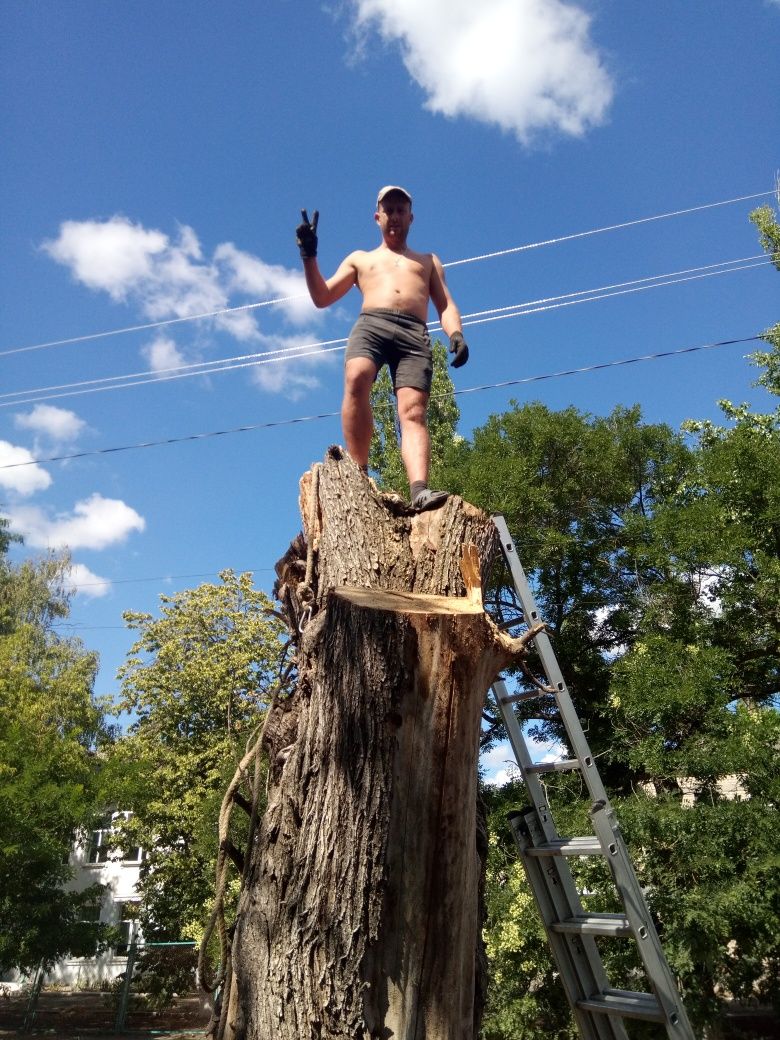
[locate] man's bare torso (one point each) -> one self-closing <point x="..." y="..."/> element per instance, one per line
<point x="396" y="280"/>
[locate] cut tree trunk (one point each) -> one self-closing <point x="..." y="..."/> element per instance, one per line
<point x="359" y="917"/>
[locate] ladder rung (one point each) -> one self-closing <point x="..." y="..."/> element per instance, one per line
<point x="594" y="924"/>
<point x="625" y="1003"/>
<point x="525" y="695"/>
<point x="588" y="846"/>
<point x="566" y="765"/>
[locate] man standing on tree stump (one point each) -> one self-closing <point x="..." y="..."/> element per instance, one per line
<point x="397" y="284"/>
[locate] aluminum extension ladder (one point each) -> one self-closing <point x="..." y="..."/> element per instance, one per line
<point x="598" y="1009"/>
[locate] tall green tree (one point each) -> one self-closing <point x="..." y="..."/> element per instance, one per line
<point x="52" y="730"/>
<point x="657" y="564"/>
<point x="658" y="568"/>
<point x="196" y="684"/>
<point x="765" y="220"/>
<point x="577" y="492"/>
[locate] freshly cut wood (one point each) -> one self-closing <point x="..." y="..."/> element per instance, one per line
<point x="360" y="913"/>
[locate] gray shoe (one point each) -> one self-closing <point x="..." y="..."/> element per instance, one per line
<point x="428" y="499"/>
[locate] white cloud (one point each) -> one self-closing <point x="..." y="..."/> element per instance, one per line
<point x="114" y="255"/>
<point x="166" y="279"/>
<point x="171" y="279"/>
<point x="706" y="584"/>
<point x="162" y="353"/>
<point x="22" y="479"/>
<point x="83" y="582"/>
<point x="527" y="66"/>
<point x="58" y="424"/>
<point x="95" y="523"/>
<point x="499" y="766"/>
<point x="292" y="375"/>
<point x="601" y="630"/>
<point x="250" y="275"/>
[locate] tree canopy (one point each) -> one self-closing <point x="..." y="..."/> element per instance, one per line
<point x="51" y="731"/>
<point x="196" y="684"/>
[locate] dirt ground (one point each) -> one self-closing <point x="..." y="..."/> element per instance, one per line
<point x="92" y="1016"/>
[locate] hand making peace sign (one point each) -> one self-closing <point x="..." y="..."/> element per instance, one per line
<point x="306" y="234"/>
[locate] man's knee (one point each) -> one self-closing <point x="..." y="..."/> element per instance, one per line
<point x="359" y="376"/>
<point x="412" y="405"/>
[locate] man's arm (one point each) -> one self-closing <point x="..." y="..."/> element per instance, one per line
<point x="323" y="293"/>
<point x="449" y="315"/>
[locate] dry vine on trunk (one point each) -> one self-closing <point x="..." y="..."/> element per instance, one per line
<point x="359" y="916"/>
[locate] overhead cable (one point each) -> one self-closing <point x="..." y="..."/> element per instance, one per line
<point x="329" y="415"/>
<point x="165" y="577"/>
<point x="145" y="327"/>
<point x="317" y="349"/>
<point x="601" y="230"/>
<point x="203" y="367"/>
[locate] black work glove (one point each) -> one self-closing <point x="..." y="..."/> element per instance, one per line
<point x="306" y="234"/>
<point x="459" y="348"/>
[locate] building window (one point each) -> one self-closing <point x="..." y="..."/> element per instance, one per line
<point x="99" y="847"/>
<point x="90" y="912"/>
<point x="128" y="927"/>
<point x="100" y="842"/>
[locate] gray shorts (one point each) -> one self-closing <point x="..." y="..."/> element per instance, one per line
<point x="397" y="339"/>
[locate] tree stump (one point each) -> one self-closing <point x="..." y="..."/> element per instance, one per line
<point x="359" y="917"/>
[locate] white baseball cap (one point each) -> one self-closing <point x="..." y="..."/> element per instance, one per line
<point x="392" y="187"/>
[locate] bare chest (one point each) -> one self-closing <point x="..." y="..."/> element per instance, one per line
<point x="405" y="271"/>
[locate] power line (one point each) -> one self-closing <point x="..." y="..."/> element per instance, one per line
<point x="145" y="327"/>
<point x="203" y="367"/>
<point x="329" y="415"/>
<point x="608" y="364"/>
<point x="195" y="368"/>
<point x="611" y="227"/>
<point x="155" y="324"/>
<point x="316" y="349"/>
<point x="620" y="292"/>
<point x="729" y="266"/>
<point x="164" y="577"/>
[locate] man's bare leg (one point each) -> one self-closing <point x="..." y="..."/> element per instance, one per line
<point x="415" y="440"/>
<point x="357" y="419"/>
<point x="416" y="446"/>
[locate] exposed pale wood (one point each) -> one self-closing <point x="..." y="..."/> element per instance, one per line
<point x="360" y="918"/>
<point x="409" y="602"/>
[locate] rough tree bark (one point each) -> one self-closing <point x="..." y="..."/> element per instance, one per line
<point x="360" y="914"/>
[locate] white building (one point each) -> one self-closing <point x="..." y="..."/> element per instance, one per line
<point x="94" y="861"/>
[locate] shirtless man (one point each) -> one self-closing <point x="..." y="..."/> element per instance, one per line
<point x="397" y="284"/>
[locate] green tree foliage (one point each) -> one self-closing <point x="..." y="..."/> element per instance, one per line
<point x="525" y="1000"/>
<point x="6" y="537"/>
<point x="195" y="686"/>
<point x="51" y="730"/>
<point x="384" y="459"/>
<point x="577" y="492"/>
<point x="765" y="219"/>
<point x="655" y="561"/>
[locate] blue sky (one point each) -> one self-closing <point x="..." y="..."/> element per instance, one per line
<point x="156" y="160"/>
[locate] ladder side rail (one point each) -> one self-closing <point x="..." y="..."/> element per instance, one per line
<point x="648" y="943"/>
<point x="532" y="783"/>
<point x="604" y="821"/>
<point x="541" y="808"/>
<point x="552" y="671"/>
<point x="577" y="957"/>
